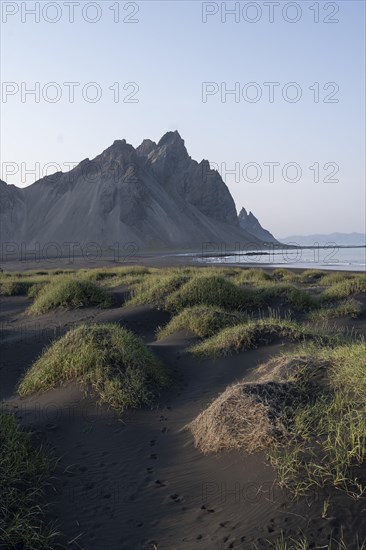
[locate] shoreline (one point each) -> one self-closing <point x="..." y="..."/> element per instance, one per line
<point x="166" y="260"/>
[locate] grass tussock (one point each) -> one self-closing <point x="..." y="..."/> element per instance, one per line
<point x="35" y="289"/>
<point x="108" y="361"/>
<point x="156" y="288"/>
<point x="210" y="290"/>
<point x="289" y="295"/>
<point x="20" y="284"/>
<point x="267" y="292"/>
<point x="328" y="438"/>
<point x="253" y="416"/>
<point x="33" y="273"/>
<point x="330" y="279"/>
<point x="203" y="321"/>
<point x="308" y="410"/>
<point x="344" y="289"/>
<point x="24" y="477"/>
<point x="97" y="275"/>
<point x="110" y="278"/>
<point x="15" y="287"/>
<point x="69" y="293"/>
<point x="252" y="276"/>
<point x="311" y="276"/>
<point x="235" y="420"/>
<point x="346" y="308"/>
<point x="251" y="335"/>
<point x="284" y="275"/>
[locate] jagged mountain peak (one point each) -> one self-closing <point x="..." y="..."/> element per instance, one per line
<point x="244" y="215"/>
<point x="171" y="138"/>
<point x="146" y="147"/>
<point x="250" y="223"/>
<point x="154" y="195"/>
<point x="118" y="147"/>
<point x="171" y="144"/>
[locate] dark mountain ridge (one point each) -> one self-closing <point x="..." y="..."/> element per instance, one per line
<point x="155" y="196"/>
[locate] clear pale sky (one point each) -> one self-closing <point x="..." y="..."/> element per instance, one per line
<point x="169" y="52"/>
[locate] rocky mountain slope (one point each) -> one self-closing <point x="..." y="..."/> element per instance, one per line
<point x="155" y="196"/>
<point x="250" y="224"/>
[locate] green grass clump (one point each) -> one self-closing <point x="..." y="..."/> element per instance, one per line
<point x="251" y="335"/>
<point x="69" y="293"/>
<point x="15" y="287"/>
<point x="311" y="275"/>
<point x="24" y="477"/>
<point x="329" y="436"/>
<point x="107" y="360"/>
<point x="281" y="274"/>
<point x="156" y="288"/>
<point x="213" y="290"/>
<point x="330" y="279"/>
<point x="35" y="289"/>
<point x="348" y="373"/>
<point x="207" y="290"/>
<point x="111" y="277"/>
<point x="98" y="275"/>
<point x="346" y="308"/>
<point x="290" y="295"/>
<point x="202" y="320"/>
<point x="252" y="276"/>
<point x="344" y="289"/>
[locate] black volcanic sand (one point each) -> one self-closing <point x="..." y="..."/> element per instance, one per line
<point x="139" y="482"/>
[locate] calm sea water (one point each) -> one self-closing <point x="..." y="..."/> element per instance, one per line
<point x="352" y="259"/>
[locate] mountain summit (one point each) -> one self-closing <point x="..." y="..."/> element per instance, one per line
<point x="156" y="196"/>
<point x="251" y="225"/>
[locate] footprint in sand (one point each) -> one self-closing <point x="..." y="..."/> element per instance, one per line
<point x="154" y="456"/>
<point x="203" y="507"/>
<point x="152" y="442"/>
<point x="176" y="498"/>
<point x="160" y="483"/>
